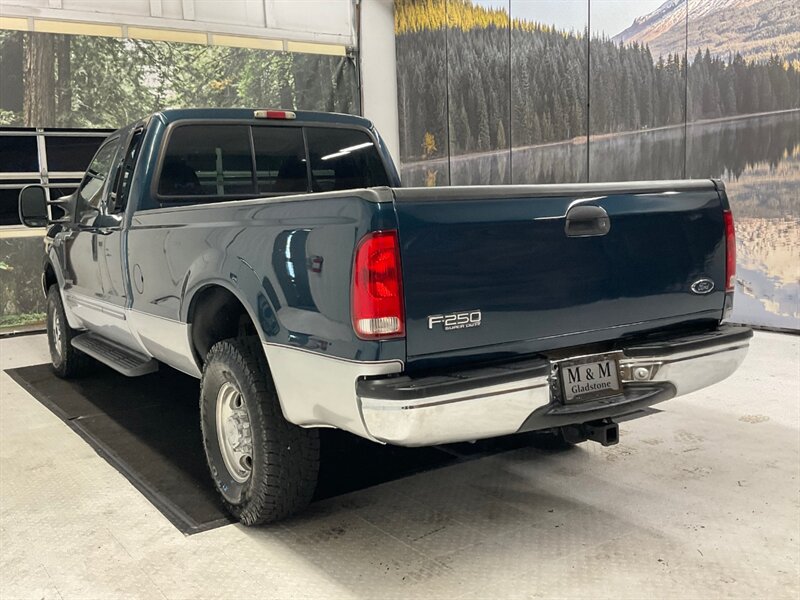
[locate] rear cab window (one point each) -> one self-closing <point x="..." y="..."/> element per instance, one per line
<point x="280" y="160"/>
<point x="210" y="162"/>
<point x="343" y="159"/>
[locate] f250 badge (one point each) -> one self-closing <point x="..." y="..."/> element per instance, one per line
<point x="460" y="320"/>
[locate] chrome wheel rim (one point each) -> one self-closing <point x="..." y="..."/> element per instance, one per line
<point x="57" y="332"/>
<point x="234" y="433"/>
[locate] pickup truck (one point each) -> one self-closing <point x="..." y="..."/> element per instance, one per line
<point x="274" y="256"/>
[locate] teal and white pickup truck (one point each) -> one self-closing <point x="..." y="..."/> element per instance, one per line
<point x="275" y="256"/>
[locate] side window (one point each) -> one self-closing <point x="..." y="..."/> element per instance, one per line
<point x="90" y="192"/>
<point x="343" y="159"/>
<point x="280" y="160"/>
<point x="125" y="175"/>
<point x="207" y="160"/>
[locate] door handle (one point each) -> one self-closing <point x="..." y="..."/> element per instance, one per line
<point x="587" y="221"/>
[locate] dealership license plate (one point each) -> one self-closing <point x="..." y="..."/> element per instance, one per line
<point x="590" y="378"/>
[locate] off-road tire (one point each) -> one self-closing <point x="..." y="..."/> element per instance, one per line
<point x="285" y="457"/>
<point x="67" y="361"/>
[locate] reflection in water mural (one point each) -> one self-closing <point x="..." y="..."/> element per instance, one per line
<point x="759" y="159"/>
<point x="475" y="109"/>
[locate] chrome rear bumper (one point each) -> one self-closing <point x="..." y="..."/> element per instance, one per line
<point x="495" y="401"/>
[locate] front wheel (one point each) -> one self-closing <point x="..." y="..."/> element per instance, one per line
<point x="264" y="467"/>
<point x="67" y="360"/>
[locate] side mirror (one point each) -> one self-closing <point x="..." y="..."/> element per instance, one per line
<point x="33" y="206"/>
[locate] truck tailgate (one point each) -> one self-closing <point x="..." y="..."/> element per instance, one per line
<point x="529" y="281"/>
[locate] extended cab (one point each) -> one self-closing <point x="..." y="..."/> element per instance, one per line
<point x="275" y="256"/>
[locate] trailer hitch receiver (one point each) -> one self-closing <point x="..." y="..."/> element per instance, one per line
<point x="605" y="432"/>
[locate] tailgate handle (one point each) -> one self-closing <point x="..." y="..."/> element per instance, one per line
<point x="587" y="220"/>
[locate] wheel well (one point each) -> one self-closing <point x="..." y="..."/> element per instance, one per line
<point x="50" y="278"/>
<point x="215" y="314"/>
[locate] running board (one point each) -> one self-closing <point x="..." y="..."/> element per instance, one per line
<point x="115" y="356"/>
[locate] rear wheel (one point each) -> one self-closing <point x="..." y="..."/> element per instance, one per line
<point x="67" y="360"/>
<point x="264" y="467"/>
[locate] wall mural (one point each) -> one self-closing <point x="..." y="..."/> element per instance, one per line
<point x="52" y="80"/>
<point x="49" y="80"/>
<point x="545" y="91"/>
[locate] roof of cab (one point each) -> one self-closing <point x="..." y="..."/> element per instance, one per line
<point x="179" y="114"/>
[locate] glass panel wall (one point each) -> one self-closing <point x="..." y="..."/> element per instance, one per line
<point x="421" y="46"/>
<point x="744" y="128"/>
<point x="479" y="85"/>
<point x="549" y="91"/>
<point x="638" y="94"/>
<point x="55" y="159"/>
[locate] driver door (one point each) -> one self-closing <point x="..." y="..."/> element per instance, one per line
<point x="83" y="290"/>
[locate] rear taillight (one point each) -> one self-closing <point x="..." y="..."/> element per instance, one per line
<point x="377" y="293"/>
<point x="730" y="251"/>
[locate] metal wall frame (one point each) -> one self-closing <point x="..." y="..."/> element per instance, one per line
<point x="65" y="179"/>
<point x="266" y="33"/>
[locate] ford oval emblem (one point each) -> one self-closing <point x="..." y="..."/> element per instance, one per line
<point x="702" y="286"/>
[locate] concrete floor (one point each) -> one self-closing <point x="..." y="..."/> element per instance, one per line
<point x="701" y="500"/>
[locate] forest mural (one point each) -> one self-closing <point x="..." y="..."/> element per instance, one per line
<point x="52" y="80"/>
<point x="509" y="91"/>
<point x="77" y="81"/>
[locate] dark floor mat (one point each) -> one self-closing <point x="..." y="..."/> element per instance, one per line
<point x="148" y="429"/>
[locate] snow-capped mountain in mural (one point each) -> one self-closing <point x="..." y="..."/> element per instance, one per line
<point x="755" y="28"/>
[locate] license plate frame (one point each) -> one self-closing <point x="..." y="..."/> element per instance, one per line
<point x="582" y="366"/>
